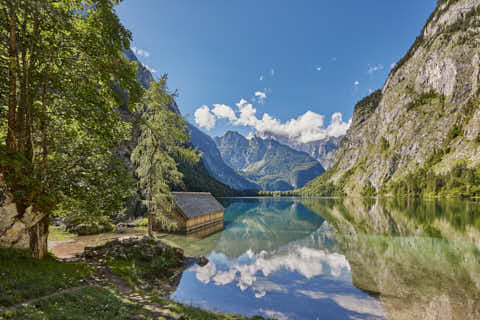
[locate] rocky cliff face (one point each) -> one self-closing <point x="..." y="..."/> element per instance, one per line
<point x="324" y="150"/>
<point x="266" y="162"/>
<point x="429" y="105"/>
<point x="214" y="163"/>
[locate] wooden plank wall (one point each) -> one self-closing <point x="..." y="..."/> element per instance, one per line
<point x="204" y="220"/>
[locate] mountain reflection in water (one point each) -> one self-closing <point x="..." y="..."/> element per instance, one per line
<point x="340" y="259"/>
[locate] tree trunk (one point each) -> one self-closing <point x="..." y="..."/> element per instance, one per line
<point x="150" y="225"/>
<point x="39" y="239"/>
<point x="12" y="73"/>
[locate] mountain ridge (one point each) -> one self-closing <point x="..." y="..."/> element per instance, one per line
<point x="323" y="150"/>
<point x="267" y="162"/>
<point x="421" y="131"/>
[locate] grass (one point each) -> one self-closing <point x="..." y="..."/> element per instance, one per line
<point x="138" y="272"/>
<point x="58" y="234"/>
<point x="89" y="303"/>
<point x="23" y="278"/>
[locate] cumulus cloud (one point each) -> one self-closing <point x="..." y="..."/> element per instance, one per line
<point x="374" y="68"/>
<point x="205" y="118"/>
<point x="261" y="96"/>
<point x="334" y="59"/>
<point x="308" y="127"/>
<point x="305" y="261"/>
<point x="363" y="305"/>
<point x="223" y="111"/>
<point x="356" y="83"/>
<point x="319" y="68"/>
<point x="272" y="72"/>
<point x="261" y="77"/>
<point x="140" y="52"/>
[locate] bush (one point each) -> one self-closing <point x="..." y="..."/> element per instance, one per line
<point x="87" y="225"/>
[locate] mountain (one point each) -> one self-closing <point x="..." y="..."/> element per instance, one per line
<point x="420" y="134"/>
<point x="323" y="150"/>
<point x="268" y="163"/>
<point x="213" y="162"/>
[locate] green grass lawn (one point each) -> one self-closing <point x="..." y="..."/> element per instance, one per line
<point x="23" y="278"/>
<point x="89" y="303"/>
<point x="59" y="234"/>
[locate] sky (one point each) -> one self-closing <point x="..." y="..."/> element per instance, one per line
<point x="294" y="68"/>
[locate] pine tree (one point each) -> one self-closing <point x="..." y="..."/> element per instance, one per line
<point x="163" y="138"/>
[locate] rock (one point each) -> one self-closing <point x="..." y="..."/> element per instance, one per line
<point x="202" y="261"/>
<point x="432" y="91"/>
<point x="145" y="249"/>
<point x="121" y="230"/>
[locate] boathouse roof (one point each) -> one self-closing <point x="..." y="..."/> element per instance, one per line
<point x="196" y="204"/>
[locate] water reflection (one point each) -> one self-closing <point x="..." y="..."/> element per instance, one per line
<point x="341" y="259"/>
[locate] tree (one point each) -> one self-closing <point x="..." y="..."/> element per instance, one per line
<point x="64" y="62"/>
<point x="163" y="137"/>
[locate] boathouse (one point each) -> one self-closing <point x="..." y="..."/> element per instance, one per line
<point x="197" y="212"/>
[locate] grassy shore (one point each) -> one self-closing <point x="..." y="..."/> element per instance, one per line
<point x="53" y="289"/>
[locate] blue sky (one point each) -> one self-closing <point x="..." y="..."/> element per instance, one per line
<point x="313" y="55"/>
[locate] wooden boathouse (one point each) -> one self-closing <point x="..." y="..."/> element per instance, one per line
<point x="197" y="212"/>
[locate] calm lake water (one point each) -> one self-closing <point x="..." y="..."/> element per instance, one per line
<point x="294" y="258"/>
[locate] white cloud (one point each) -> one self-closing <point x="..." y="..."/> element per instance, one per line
<point x="356" y="83"/>
<point x="334" y="59"/>
<point x="140" y="52"/>
<point x="353" y="303"/>
<point x="319" y="68"/>
<point x="370" y="90"/>
<point x="205" y="118"/>
<point x="261" y="77"/>
<point x="272" y="72"/>
<point x="223" y="111"/>
<point x="204" y="274"/>
<point x="375" y="68"/>
<point x="261" y="96"/>
<point x="305" y="261"/>
<point x="308" y="127"/>
<point x="393" y="65"/>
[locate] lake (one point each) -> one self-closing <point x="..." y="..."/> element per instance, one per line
<point x="290" y="258"/>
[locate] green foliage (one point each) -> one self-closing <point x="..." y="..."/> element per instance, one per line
<point x="197" y="179"/>
<point x="57" y="233"/>
<point x="365" y="107"/>
<point x="89" y="303"/>
<point x="454" y="132"/>
<point x="88" y="224"/>
<point x="424" y="99"/>
<point x="324" y="187"/>
<point x="369" y="190"/>
<point x="384" y="144"/>
<point x="163" y="137"/>
<point x="138" y="272"/>
<point x="66" y="66"/>
<point x="461" y="181"/>
<point x="23" y="278"/>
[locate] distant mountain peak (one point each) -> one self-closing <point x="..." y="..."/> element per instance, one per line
<point x="267" y="162"/>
